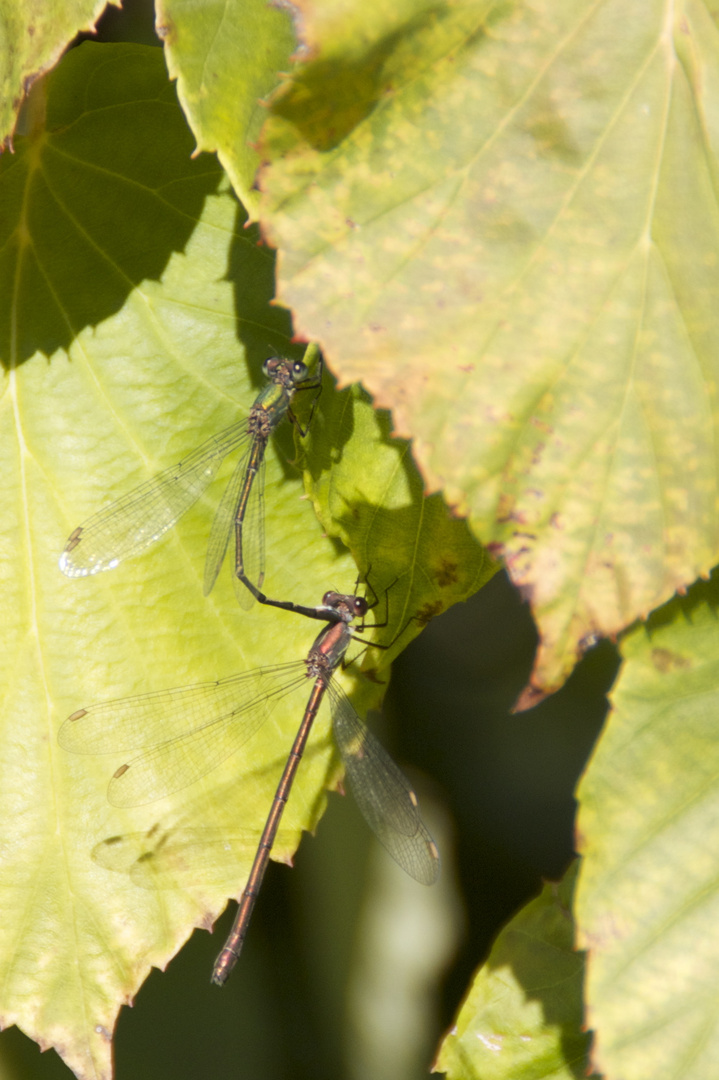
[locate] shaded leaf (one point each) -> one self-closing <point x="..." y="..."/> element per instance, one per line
<point x="367" y="492"/>
<point x="648" y="898"/>
<point x="523" y="1015"/>
<point x="82" y="194"/>
<point x="511" y="237"/>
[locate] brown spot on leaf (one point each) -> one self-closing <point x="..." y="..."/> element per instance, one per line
<point x="507" y="511"/>
<point x="665" y="660"/>
<point x="447" y="573"/>
<point x="541" y="425"/>
<point x="166" y="31"/>
<point x="428" y="612"/>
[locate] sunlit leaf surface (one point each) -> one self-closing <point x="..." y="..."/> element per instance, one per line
<point x="226" y="58"/>
<point x="648" y="897"/>
<point x="506" y="226"/>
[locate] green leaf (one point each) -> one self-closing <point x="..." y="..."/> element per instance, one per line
<point x="648" y="896"/>
<point x="83" y="194"/>
<point x="135" y="329"/>
<point x="367" y="492"/>
<point x="503" y="221"/>
<point x="34" y="36"/>
<point x="226" y="58"/>
<point x="522" y="1018"/>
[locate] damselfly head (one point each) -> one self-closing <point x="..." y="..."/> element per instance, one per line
<point x="348" y="606"/>
<point x="284" y="372"/>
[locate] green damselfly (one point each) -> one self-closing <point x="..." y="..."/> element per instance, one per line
<point x="132" y="523"/>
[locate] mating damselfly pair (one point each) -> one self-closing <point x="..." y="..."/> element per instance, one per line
<point x="182" y="734"/>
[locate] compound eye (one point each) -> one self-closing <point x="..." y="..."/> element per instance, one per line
<point x="299" y="371"/>
<point x="327" y="599"/>
<point x="360" y="606"/>
<point x="270" y="366"/>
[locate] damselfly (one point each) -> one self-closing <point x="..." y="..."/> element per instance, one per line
<point x="132" y="523"/>
<point x="189" y="731"/>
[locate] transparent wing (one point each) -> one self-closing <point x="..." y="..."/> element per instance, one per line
<point x="251" y="539"/>
<point x="189" y="731"/>
<point x="383" y="794"/>
<point x="161" y="858"/>
<point x="224" y="523"/>
<point x="172" y="766"/>
<point x="130" y="524"/>
<point x="145" y="720"/>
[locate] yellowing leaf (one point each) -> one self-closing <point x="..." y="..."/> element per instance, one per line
<point x="226" y="59"/>
<point x="647" y="897"/>
<point x="507" y="229"/>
